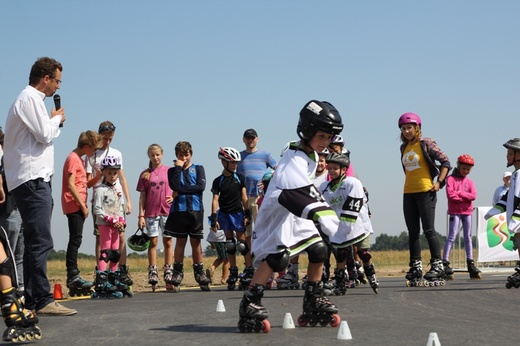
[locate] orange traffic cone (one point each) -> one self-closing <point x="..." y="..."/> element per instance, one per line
<point x="58" y="294"/>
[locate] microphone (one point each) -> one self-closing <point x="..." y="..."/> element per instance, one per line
<point x="57" y="104"/>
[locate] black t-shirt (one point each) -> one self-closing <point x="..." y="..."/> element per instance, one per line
<point x="229" y="191"/>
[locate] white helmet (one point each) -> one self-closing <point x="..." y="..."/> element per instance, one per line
<point x="229" y="154"/>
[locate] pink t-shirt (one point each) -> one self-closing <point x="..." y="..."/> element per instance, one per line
<point x="73" y="165"/>
<point x="156" y="189"/>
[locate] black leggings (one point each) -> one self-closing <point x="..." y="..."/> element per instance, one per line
<point x="420" y="207"/>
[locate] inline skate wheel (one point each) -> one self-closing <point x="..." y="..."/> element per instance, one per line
<point x="335" y="320"/>
<point x="376" y="290"/>
<point x="508" y="285"/>
<point x="266" y="326"/>
<point x="302" y="322"/>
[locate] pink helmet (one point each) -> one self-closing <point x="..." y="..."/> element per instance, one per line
<point x="409" y="118"/>
<point x="466" y="159"/>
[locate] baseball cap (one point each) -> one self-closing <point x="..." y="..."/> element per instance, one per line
<point x="506" y="174"/>
<point x="250" y="133"/>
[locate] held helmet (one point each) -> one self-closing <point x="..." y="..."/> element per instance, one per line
<point x="409" y="118"/>
<point x="318" y="116"/>
<point x="267" y="175"/>
<point x="139" y="241"/>
<point x="110" y="162"/>
<point x="466" y="159"/>
<point x="340" y="159"/>
<point x="229" y="154"/>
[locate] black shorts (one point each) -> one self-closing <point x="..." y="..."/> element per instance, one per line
<point x="183" y="223"/>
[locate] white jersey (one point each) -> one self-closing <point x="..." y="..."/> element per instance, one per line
<point x="290" y="205"/>
<point x="349" y="201"/>
<point x="509" y="203"/>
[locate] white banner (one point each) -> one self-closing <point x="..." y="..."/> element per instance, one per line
<point x="493" y="238"/>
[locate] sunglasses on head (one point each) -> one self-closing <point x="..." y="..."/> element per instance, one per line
<point x="104" y="128"/>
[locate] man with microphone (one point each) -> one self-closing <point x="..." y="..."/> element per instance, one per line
<point x="29" y="166"/>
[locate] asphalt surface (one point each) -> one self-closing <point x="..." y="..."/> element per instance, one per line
<point x="464" y="312"/>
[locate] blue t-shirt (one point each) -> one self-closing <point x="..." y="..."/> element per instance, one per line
<point x="253" y="167"/>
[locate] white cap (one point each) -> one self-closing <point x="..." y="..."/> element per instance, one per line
<point x="507" y="174"/>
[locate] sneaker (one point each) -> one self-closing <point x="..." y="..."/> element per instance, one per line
<point x="56" y="309"/>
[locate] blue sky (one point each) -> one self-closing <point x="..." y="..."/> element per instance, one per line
<point x="204" y="71"/>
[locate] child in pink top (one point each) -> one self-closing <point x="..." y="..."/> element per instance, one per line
<point x="461" y="193"/>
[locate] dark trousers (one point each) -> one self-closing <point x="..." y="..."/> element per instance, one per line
<point x="420" y="208"/>
<point x="35" y="203"/>
<point x="75" y="221"/>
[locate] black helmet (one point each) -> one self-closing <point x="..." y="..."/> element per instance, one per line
<point x="513" y="144"/>
<point x="341" y="159"/>
<point x="140" y="241"/>
<point x="318" y="115"/>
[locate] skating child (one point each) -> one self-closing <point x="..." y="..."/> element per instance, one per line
<point x="229" y="210"/>
<point x="74" y="205"/>
<point x="418" y="158"/>
<point x="294" y="218"/>
<point x="20" y="322"/>
<point x="461" y="193"/>
<point x="108" y="209"/>
<point x="154" y="204"/>
<point x="510" y="203"/>
<point x="186" y="218"/>
<point x="345" y="194"/>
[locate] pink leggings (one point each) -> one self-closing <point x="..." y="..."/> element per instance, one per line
<point x="108" y="240"/>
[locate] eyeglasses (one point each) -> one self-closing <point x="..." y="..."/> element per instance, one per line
<point x="104" y="128"/>
<point x="58" y="81"/>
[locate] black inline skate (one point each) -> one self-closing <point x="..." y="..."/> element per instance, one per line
<point x="178" y="275"/>
<point x="290" y="280"/>
<point x="317" y="308"/>
<point x="370" y="273"/>
<point x="232" y="278"/>
<point x="253" y="315"/>
<point x="21" y="323"/>
<point x="77" y="286"/>
<point x="362" y="278"/>
<point x="435" y="277"/>
<point x="514" y="279"/>
<point x="200" y="277"/>
<point x="124" y="276"/>
<point x="414" y="276"/>
<point x="153" y="276"/>
<point x="116" y="279"/>
<point x="168" y="276"/>
<point x="340" y="278"/>
<point x="246" y="277"/>
<point x="103" y="288"/>
<point x="448" y="271"/>
<point x="474" y="272"/>
<point x="353" y="276"/>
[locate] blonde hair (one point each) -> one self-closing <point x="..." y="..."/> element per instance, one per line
<point x="146" y="174"/>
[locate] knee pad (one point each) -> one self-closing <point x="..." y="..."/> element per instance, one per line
<point x="242" y="247"/>
<point x="364" y="255"/>
<point x="231" y="246"/>
<point x="317" y="252"/>
<point x="116" y="255"/>
<point x="7" y="267"/>
<point x="278" y="261"/>
<point x="341" y="255"/>
<point x="105" y="255"/>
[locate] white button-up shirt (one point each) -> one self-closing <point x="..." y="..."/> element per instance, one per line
<point x="28" y="147"/>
